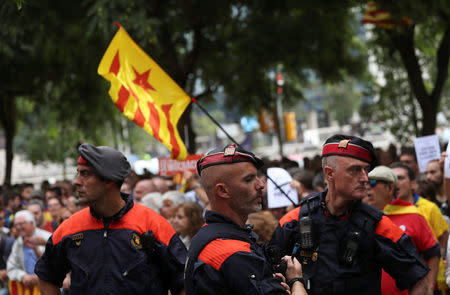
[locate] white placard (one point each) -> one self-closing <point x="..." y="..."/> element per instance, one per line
<point x="427" y="149"/>
<point x="276" y="199"/>
<point x="447" y="163"/>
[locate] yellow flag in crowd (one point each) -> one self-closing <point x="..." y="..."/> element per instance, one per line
<point x="143" y="92"/>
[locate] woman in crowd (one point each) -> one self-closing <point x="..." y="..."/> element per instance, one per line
<point x="187" y="220"/>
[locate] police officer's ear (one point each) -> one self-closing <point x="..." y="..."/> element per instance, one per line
<point x="221" y="190"/>
<point x="329" y="173"/>
<point x="109" y="184"/>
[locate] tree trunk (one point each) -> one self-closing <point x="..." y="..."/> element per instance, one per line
<point x="9" y="126"/>
<point x="429" y="112"/>
<point x="429" y="103"/>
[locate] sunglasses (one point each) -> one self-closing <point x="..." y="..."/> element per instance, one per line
<point x="373" y="182"/>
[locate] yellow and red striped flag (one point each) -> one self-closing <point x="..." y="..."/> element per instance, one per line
<point x="18" y="288"/>
<point x="381" y="17"/>
<point x="143" y="92"/>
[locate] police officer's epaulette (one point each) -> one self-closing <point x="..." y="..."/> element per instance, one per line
<point x="310" y="203"/>
<point x="366" y="217"/>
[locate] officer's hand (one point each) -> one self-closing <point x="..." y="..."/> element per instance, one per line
<point x="66" y="282"/>
<point x="283" y="282"/>
<point x="294" y="268"/>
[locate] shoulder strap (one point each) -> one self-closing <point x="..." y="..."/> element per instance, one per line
<point x="309" y="204"/>
<point x="366" y="217"/>
<point x="204" y="236"/>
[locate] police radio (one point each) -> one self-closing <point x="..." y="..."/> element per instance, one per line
<point x="306" y="233"/>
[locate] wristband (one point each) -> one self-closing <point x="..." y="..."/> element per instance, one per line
<point x="297" y="279"/>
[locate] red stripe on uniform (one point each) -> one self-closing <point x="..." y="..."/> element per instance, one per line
<point x="142" y="219"/>
<point x="291" y="215"/>
<point x="386" y="228"/>
<point x="217" y="251"/>
<point x="78" y="222"/>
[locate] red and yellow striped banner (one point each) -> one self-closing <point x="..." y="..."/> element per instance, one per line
<point x="143" y="92"/>
<point x="18" y="288"/>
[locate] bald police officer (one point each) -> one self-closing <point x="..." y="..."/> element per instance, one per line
<point x="224" y="257"/>
<point x="114" y="246"/>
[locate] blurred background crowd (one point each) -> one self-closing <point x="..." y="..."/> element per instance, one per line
<point x="182" y="205"/>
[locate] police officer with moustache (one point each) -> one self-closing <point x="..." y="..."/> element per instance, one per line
<point x="114" y="246"/>
<point x="224" y="257"/>
<point x="342" y="243"/>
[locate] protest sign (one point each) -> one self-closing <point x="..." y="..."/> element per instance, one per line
<point x="427" y="149"/>
<point x="275" y="198"/>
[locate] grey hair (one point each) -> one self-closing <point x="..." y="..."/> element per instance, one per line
<point x="36" y="202"/>
<point x="27" y="215"/>
<point x="329" y="161"/>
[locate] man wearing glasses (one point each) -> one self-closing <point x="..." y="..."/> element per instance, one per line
<point x="380" y="194"/>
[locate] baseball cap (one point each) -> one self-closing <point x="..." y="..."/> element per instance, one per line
<point x="383" y="173"/>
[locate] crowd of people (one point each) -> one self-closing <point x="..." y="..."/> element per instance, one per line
<point x="368" y="222"/>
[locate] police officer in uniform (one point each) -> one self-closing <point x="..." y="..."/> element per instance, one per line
<point x="341" y="242"/>
<point x="224" y="257"/>
<point x="114" y="246"/>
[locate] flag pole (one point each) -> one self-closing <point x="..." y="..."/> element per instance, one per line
<point x="194" y="100"/>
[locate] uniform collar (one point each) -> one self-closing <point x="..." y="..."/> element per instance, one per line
<point x="215" y="217"/>
<point x="128" y="205"/>
<point x="327" y="212"/>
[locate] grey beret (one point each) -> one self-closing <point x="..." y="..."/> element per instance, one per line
<point x="106" y="162"/>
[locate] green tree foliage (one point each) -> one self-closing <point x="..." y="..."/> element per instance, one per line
<point x="414" y="59"/>
<point x="51" y="51"/>
<point x="50" y="92"/>
<point x="235" y="45"/>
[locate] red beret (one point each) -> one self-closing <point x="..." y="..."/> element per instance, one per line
<point x="228" y="155"/>
<point x="350" y="146"/>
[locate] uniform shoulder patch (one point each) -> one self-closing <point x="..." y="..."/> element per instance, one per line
<point x="290" y="216"/>
<point x="77" y="239"/>
<point x="136" y="241"/>
<point x="388" y="229"/>
<point x="218" y="251"/>
<point x="141" y="219"/>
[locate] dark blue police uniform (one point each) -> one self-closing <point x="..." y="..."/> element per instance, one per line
<point x="110" y="257"/>
<point x="227" y="265"/>
<point x="380" y="244"/>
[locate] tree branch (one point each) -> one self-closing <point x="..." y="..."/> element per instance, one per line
<point x="442" y="60"/>
<point x="404" y="43"/>
<point x="192" y="57"/>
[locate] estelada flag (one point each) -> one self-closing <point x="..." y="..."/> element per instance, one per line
<point x="143" y="92"/>
<point x="381" y="17"/>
